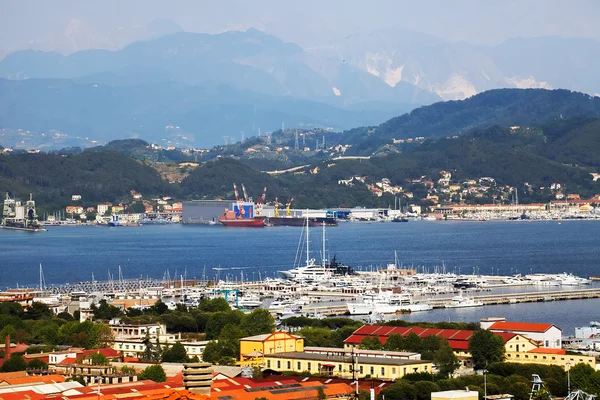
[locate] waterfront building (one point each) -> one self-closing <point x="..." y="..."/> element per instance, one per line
<point x="545" y="335"/>
<point x="254" y="348"/>
<point x="520" y="346"/>
<point x="209" y="211"/>
<point x="346" y="365"/>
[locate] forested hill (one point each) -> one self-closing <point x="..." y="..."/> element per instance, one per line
<point x="565" y="152"/>
<point x="96" y="176"/>
<point x="504" y="107"/>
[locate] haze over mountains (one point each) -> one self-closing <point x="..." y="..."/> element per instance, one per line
<point x="141" y="76"/>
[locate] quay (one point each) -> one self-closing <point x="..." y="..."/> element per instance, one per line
<point x="487" y="300"/>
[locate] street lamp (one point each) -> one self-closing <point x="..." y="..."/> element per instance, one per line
<point x="485" y="371"/>
<point x="568" y="377"/>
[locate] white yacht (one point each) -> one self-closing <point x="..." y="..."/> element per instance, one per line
<point x="571" y="280"/>
<point x="387" y="303"/>
<point x="312" y="271"/>
<point x="461" y="301"/>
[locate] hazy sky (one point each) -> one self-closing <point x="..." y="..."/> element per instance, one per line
<point x="53" y="23"/>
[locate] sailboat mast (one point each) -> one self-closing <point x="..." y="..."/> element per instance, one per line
<point x="41" y="279"/>
<point x="307" y="243"/>
<point x="324" y="255"/>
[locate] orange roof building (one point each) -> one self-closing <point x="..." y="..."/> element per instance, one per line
<point x="545" y="335"/>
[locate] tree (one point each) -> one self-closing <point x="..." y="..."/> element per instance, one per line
<point x="176" y="354"/>
<point x="98" y="359"/>
<point x="485" y="347"/>
<point x="65" y="315"/>
<point x="399" y="390"/>
<point x="214" y="305"/>
<point x="151" y="352"/>
<point x="423" y="389"/>
<point x="154" y="373"/>
<point x="14" y="363"/>
<point x="371" y="343"/>
<point x="105" y="311"/>
<point x="159" y="307"/>
<point x="581" y="376"/>
<point x="394" y="342"/>
<point x="137" y="207"/>
<point x="126" y="369"/>
<point x="102" y="334"/>
<point x="37" y="364"/>
<point x="446" y="360"/>
<point x="413" y="343"/>
<point x="258" y="321"/>
<point x="542" y="394"/>
<point x="320" y="337"/>
<point x="429" y="345"/>
<point x="212" y="352"/>
<point x="39" y="310"/>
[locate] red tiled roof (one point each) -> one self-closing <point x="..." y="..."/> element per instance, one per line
<point x="68" y="361"/>
<point x="27" y="394"/>
<point x="107" y="351"/>
<point x="34" y="379"/>
<point x="519" y="327"/>
<point x="458" y="339"/>
<point x="544" y="350"/>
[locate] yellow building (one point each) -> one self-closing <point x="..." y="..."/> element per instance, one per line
<point x="345" y="366"/>
<point x="520" y="349"/>
<point x="253" y="348"/>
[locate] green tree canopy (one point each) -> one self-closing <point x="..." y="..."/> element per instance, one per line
<point x="370" y="342"/>
<point x="447" y="362"/>
<point x="394" y="342"/>
<point x="105" y="311"/>
<point x="485" y="347"/>
<point x="14" y="363"/>
<point x="413" y="343"/>
<point x="175" y="354"/>
<point x="154" y="373"/>
<point x="258" y="321"/>
<point x="39" y="310"/>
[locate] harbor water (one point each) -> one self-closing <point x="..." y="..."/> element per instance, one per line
<point x="72" y="254"/>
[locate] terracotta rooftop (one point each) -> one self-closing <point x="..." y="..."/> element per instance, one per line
<point x="458" y="339"/>
<point x="520" y="327"/>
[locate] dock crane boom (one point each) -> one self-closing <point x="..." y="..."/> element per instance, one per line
<point x="261" y="202"/>
<point x="288" y="205"/>
<point x="244" y="191"/>
<point x="238" y="200"/>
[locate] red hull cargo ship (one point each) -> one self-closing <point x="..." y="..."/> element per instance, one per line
<point x="229" y="218"/>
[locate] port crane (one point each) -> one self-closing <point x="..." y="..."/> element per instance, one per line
<point x="276" y="204"/>
<point x="261" y="201"/>
<point x="288" y="205"/>
<point x="239" y="201"/>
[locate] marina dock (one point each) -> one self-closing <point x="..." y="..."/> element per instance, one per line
<point x="491" y="299"/>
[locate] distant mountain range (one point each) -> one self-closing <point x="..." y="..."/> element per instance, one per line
<point x="212" y="86"/>
<point x="390" y="65"/>
<point x="167" y="113"/>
